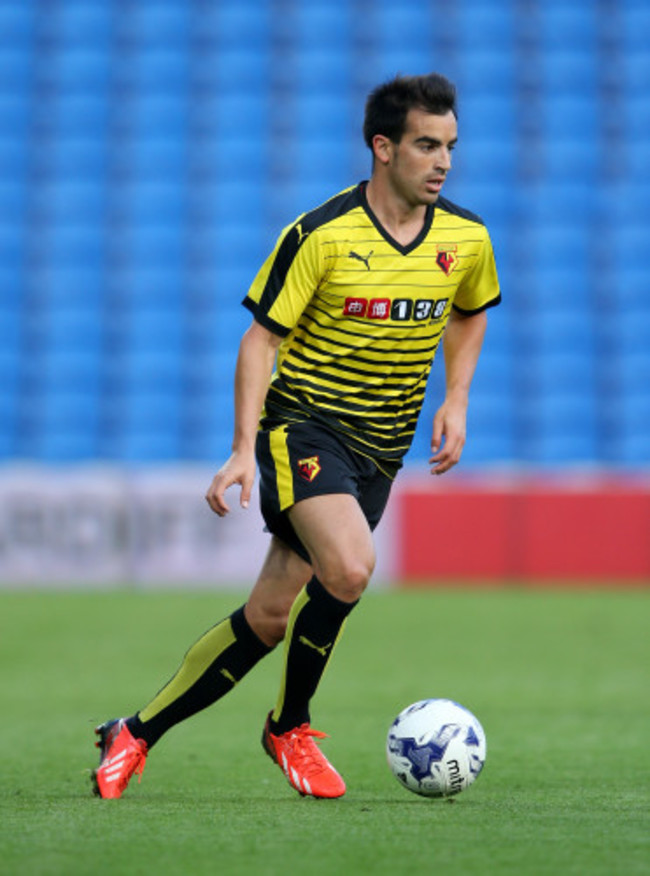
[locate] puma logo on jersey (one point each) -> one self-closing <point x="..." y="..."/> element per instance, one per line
<point x="365" y="259"/>
<point x="322" y="650"/>
<point x="301" y="234"/>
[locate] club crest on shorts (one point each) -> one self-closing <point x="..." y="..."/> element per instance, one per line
<point x="309" y="467"/>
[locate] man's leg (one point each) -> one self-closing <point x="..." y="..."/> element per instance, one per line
<point x="221" y="658"/>
<point x="210" y="669"/>
<point x="335" y="532"/>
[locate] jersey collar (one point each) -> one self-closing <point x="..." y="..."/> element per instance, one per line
<point x="404" y="250"/>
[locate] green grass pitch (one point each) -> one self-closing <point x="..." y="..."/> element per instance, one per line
<point x="560" y="681"/>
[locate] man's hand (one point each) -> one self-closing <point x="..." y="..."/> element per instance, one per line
<point x="448" y="438"/>
<point x="239" y="469"/>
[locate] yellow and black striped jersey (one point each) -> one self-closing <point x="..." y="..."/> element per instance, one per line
<point x="362" y="316"/>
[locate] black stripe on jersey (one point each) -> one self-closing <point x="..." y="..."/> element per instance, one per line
<point x="390" y="382"/>
<point x="265" y="320"/>
<point x="339" y="400"/>
<point x="370" y="357"/>
<point x="491" y="303"/>
<point x="450" y="207"/>
<point x="295" y="236"/>
<point x="371" y="370"/>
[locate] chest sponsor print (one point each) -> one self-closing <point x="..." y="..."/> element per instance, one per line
<point x="399" y="310"/>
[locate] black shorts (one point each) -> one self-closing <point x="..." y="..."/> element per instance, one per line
<point x="300" y="460"/>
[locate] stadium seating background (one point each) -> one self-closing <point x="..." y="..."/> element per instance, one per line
<point x="151" y="150"/>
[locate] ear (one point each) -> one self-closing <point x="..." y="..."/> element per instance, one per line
<point x="382" y="148"/>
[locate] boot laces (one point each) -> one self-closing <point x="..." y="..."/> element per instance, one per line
<point x="312" y="760"/>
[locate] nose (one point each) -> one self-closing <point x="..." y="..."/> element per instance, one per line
<point x="444" y="158"/>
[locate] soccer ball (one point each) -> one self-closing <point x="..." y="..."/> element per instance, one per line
<point x="436" y="748"/>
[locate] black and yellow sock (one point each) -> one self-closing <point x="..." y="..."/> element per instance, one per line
<point x="210" y="669"/>
<point x="315" y="624"/>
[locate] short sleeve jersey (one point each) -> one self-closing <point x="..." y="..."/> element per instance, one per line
<point x="362" y="316"/>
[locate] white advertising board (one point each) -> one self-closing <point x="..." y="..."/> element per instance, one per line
<point x="151" y="527"/>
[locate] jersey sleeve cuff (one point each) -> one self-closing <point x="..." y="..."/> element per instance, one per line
<point x="265" y="320"/>
<point x="492" y="303"/>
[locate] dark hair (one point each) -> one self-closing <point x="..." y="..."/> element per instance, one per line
<point x="388" y="105"/>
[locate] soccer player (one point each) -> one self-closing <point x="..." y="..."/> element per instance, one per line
<point x="349" y="310"/>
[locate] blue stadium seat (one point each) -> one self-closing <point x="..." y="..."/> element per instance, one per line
<point x="70" y="115"/>
<point x="323" y="70"/>
<point x="633" y="370"/>
<point x="481" y="26"/>
<point x="158" y="114"/>
<point x="627" y="285"/>
<point x="485" y="157"/>
<point x="634" y="69"/>
<point x="63" y="444"/>
<point x="154" y="69"/>
<point x="560" y="427"/>
<point x="66" y="408"/>
<point x="247" y="23"/>
<point x="239" y="69"/>
<point x="69" y="244"/>
<point x="325" y="115"/>
<point x="78" y="157"/>
<point x="15" y="162"/>
<point x="633" y="327"/>
<point x="18" y="22"/>
<point x="635" y="26"/>
<point x="541" y="203"/>
<point x="558" y="326"/>
<point x="77" y="69"/>
<point x="75" y="21"/>
<point x="154" y="158"/>
<point x="70" y="327"/>
<point x="489" y="75"/>
<point x="224" y="160"/>
<point x="152" y="246"/>
<point x="16" y="67"/>
<point x="15" y="112"/>
<point x="69" y="201"/>
<point x="156" y="22"/>
<point x="13" y="199"/>
<point x="211" y="367"/>
<point x="563" y="26"/>
<point x="401" y="25"/>
<point x="568" y="118"/>
<point x="570" y="70"/>
<point x="150" y="202"/>
<point x="489" y="116"/>
<point x="68" y="289"/>
<point x="229" y="113"/>
<point x="316" y="158"/>
<point x="150" y="340"/>
<point x="66" y="370"/>
<point x="632" y="450"/>
<point x="154" y="288"/>
<point x="145" y="446"/>
<point x="313" y="22"/>
<point x="12" y="369"/>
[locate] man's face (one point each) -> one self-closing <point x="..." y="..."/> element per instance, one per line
<point x="419" y="163"/>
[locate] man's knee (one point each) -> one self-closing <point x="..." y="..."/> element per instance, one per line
<point x="347" y="579"/>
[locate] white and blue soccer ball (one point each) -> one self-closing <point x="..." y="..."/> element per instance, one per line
<point x="436" y="748"/>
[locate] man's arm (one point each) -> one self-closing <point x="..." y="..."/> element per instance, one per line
<point x="255" y="363"/>
<point x="462" y="345"/>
